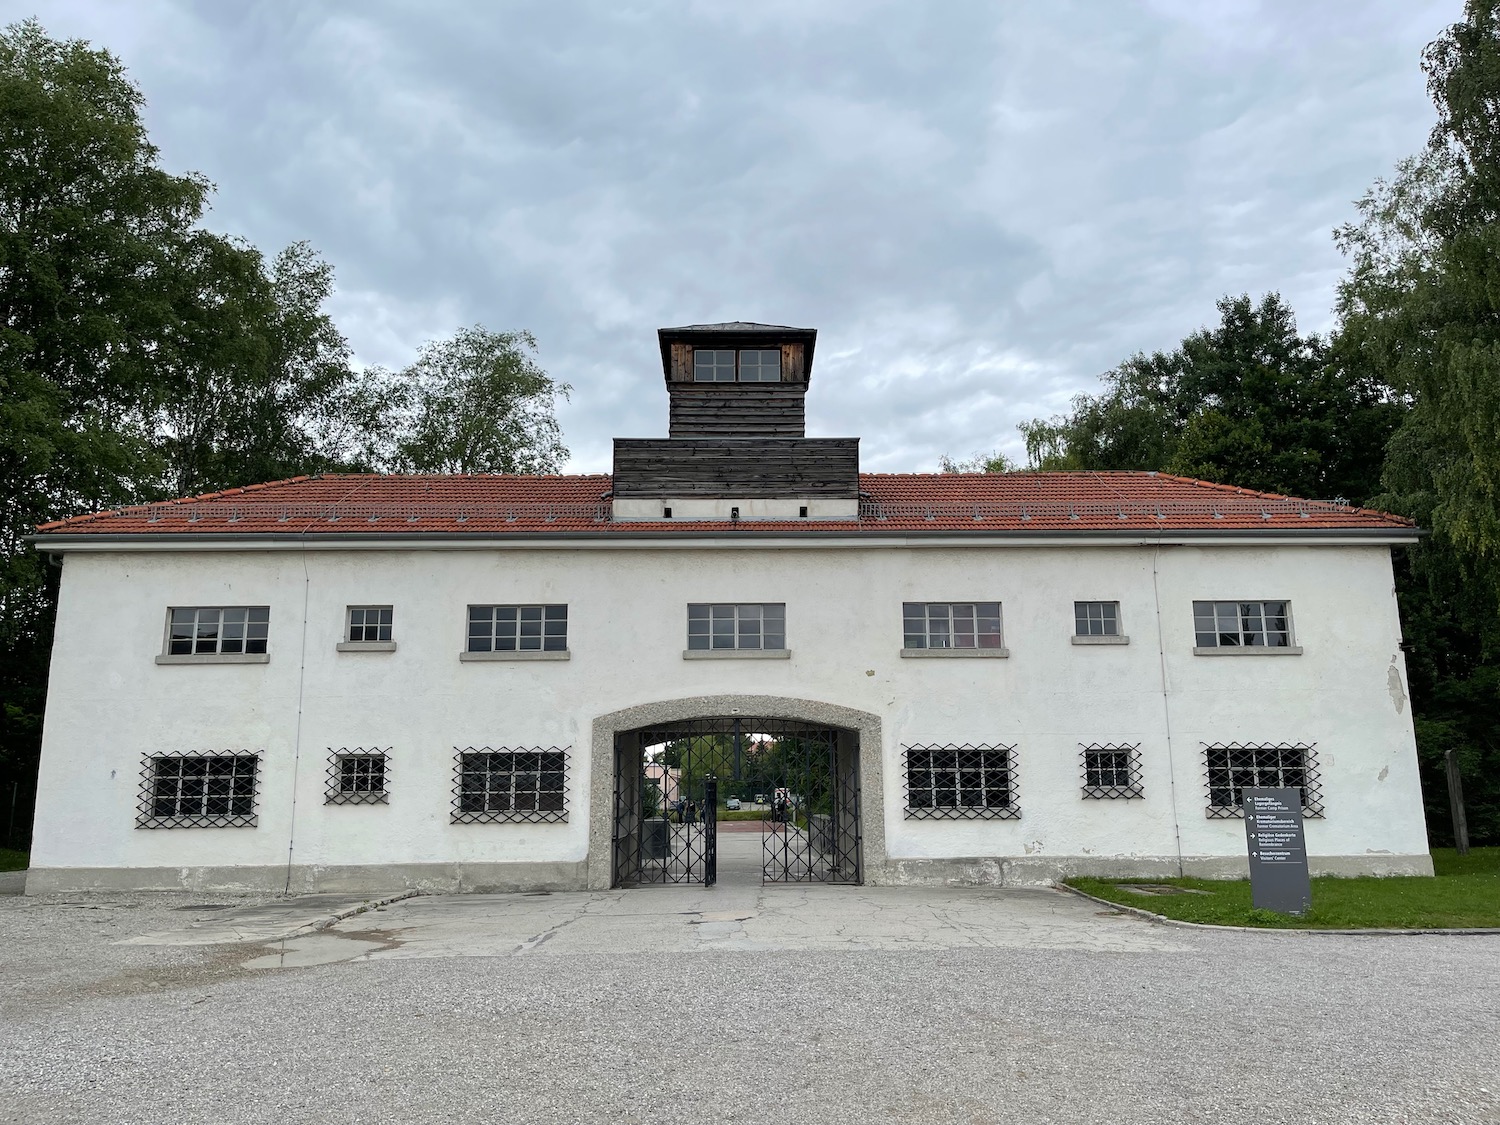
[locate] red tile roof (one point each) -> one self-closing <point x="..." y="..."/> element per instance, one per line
<point x="891" y="502"/>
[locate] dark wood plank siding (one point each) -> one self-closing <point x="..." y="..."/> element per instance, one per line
<point x="737" y="468"/>
<point x="791" y="364"/>
<point x="682" y="363"/>
<point x="737" y="410"/>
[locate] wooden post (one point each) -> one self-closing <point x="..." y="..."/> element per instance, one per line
<point x="1456" y="803"/>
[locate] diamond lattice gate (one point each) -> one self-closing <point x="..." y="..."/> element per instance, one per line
<point x="677" y="786"/>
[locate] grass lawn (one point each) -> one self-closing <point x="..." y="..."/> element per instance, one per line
<point x="13" y="861"/>
<point x="1465" y="892"/>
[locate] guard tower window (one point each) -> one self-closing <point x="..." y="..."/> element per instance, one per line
<point x="711" y="365"/>
<point x="724" y="365"/>
<point x="760" y="366"/>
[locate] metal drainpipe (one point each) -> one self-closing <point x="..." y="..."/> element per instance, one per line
<point x="291" y="832"/>
<point x="1166" y="707"/>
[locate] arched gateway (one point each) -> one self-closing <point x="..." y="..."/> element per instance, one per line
<point x="655" y="768"/>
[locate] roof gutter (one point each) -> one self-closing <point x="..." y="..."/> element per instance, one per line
<point x="626" y="540"/>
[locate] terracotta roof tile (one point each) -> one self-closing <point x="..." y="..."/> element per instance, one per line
<point x="891" y="502"/>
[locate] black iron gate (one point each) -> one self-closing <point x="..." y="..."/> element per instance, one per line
<point x="675" y="782"/>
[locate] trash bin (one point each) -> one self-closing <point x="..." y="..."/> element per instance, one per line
<point x="656" y="838"/>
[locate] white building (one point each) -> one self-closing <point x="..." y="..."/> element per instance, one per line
<point x="449" y="682"/>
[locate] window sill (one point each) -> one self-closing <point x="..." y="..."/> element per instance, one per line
<point x="535" y="654"/>
<point x="365" y="646"/>
<point x="1091" y="640"/>
<point x="216" y="658"/>
<point x="1249" y="650"/>
<point x="954" y="653"/>
<point x="736" y="654"/>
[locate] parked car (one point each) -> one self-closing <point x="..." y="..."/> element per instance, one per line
<point x="760" y="798"/>
<point x="733" y="804"/>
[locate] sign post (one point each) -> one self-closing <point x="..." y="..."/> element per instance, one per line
<point x="1278" y="850"/>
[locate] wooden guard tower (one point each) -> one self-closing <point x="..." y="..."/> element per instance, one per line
<point x="736" y="447"/>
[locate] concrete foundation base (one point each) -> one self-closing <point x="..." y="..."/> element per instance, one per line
<point x="1041" y="871"/>
<point x="437" y="878"/>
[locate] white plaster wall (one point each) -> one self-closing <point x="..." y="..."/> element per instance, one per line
<point x="110" y="704"/>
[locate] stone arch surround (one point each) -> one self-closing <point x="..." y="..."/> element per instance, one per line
<point x="602" y="763"/>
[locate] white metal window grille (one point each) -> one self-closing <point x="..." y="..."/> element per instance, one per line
<point x="1233" y="766"/>
<point x="370" y="623"/>
<point x="1111" y="770"/>
<point x="960" y="782"/>
<point x="198" y="791"/>
<point x="358" y="777"/>
<point x="1096" y="619"/>
<point x="951" y="624"/>
<point x="1242" y="624"/>
<point x="209" y="630"/>
<point x="713" y="365"/>
<point x="518" y="628"/>
<point x="526" y="786"/>
<point x="760" y="365"/>
<point x="753" y="625"/>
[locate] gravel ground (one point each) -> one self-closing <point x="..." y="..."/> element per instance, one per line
<point x="1238" y="1027"/>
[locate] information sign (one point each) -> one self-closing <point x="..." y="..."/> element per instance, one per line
<point x="1278" y="851"/>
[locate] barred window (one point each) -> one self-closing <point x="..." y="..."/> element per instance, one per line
<point x="1111" y="770"/>
<point x="198" y="791"/>
<point x="518" y="628"/>
<point x="733" y="626"/>
<point x="358" y="777"/>
<point x="1096" y="619"/>
<point x="217" y="630"/>
<point x="960" y="782"/>
<point x="951" y="624"/>
<point x="1242" y="624"/>
<point x="530" y="786"/>
<point x="369" y="623"/>
<point x="1233" y="766"/>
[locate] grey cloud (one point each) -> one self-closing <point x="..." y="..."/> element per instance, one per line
<point x="981" y="207"/>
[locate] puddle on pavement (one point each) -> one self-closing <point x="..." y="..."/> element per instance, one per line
<point x="327" y="947"/>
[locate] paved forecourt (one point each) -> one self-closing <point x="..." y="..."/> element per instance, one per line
<point x="817" y="1004"/>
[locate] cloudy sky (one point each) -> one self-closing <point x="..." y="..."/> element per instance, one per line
<point x="980" y="206"/>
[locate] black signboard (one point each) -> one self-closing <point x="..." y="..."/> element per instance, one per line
<point x="1278" y="851"/>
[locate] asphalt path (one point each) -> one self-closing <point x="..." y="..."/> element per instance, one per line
<point x="741" y="1003"/>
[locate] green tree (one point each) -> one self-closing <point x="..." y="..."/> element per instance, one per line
<point x="995" y="462"/>
<point x="1420" y="309"/>
<point x="478" y="403"/>
<point x="256" y="382"/>
<point x="92" y="231"/>
<point x="1249" y="401"/>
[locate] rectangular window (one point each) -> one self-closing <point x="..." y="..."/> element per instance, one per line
<point x="1242" y="624"/>
<point x="1111" y="771"/>
<point x="725" y="365"/>
<point x="1233" y="766"/>
<point x="1096" y="619"/>
<point x="369" y="623"/>
<point x="529" y="786"/>
<point x="951" y="624"/>
<point x="357" y="777"/>
<point x="518" y="628"/>
<point x="760" y="366"/>
<point x="713" y="365"/>
<point x="754" y="625"/>
<point x="209" y="630"/>
<point x="198" y="791"/>
<point x="960" y="782"/>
